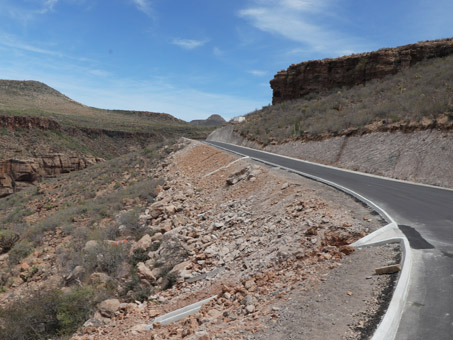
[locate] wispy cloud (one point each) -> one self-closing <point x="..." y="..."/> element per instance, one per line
<point x="144" y="6"/>
<point x="25" y="14"/>
<point x="11" y="42"/>
<point x="8" y="40"/>
<point x="258" y="73"/>
<point x="189" y="44"/>
<point x="47" y="6"/>
<point x="302" y="21"/>
<point x="218" y="52"/>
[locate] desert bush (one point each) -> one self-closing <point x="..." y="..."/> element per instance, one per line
<point x="47" y="314"/>
<point x="138" y="255"/>
<point x="105" y="258"/>
<point x="8" y="239"/>
<point x="19" y="251"/>
<point x="136" y="290"/>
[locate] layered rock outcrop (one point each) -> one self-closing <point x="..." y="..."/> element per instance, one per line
<point x="321" y="75"/>
<point x="24" y="122"/>
<point x="17" y="173"/>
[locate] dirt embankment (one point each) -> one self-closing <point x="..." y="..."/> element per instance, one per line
<point x="423" y="156"/>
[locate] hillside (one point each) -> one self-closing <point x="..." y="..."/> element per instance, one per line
<point x="417" y="98"/>
<point x="35" y="99"/>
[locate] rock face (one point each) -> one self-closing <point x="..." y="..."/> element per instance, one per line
<point x="21" y="172"/>
<point x="321" y="75"/>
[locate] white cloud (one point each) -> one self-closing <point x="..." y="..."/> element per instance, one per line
<point x="188" y="44"/>
<point x="143" y="6"/>
<point x="258" y="73"/>
<point x="299" y="21"/>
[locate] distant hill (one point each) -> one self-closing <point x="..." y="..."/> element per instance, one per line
<point x="36" y="120"/>
<point x="36" y="99"/>
<point x="213" y="121"/>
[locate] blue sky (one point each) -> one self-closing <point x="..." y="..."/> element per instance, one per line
<point x="194" y="58"/>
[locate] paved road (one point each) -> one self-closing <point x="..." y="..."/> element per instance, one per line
<point x="425" y="215"/>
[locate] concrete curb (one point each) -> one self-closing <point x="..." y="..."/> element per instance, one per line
<point x="179" y="313"/>
<point x="389" y="324"/>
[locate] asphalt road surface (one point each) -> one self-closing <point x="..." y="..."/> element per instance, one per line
<point x="425" y="215"/>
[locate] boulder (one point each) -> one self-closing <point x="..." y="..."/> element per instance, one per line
<point x="109" y="307"/>
<point x="144" y="243"/>
<point x="145" y="273"/>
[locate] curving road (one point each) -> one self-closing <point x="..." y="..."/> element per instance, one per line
<point x="425" y="215"/>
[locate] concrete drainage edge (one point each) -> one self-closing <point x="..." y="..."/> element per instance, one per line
<point x="389" y="324"/>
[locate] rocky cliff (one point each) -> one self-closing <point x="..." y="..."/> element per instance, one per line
<point x="17" y="173"/>
<point x="321" y="75"/>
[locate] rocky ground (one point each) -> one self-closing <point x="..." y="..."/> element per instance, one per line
<point x="272" y="246"/>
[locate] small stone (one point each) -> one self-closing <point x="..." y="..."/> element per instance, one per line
<point x="153" y="313"/>
<point x="250" y="309"/>
<point x="141" y="327"/>
<point x="388" y="269"/>
<point x="218" y="225"/>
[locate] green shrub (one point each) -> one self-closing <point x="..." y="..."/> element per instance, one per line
<point x="74" y="308"/>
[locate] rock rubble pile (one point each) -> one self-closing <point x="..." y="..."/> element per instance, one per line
<point x="244" y="233"/>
